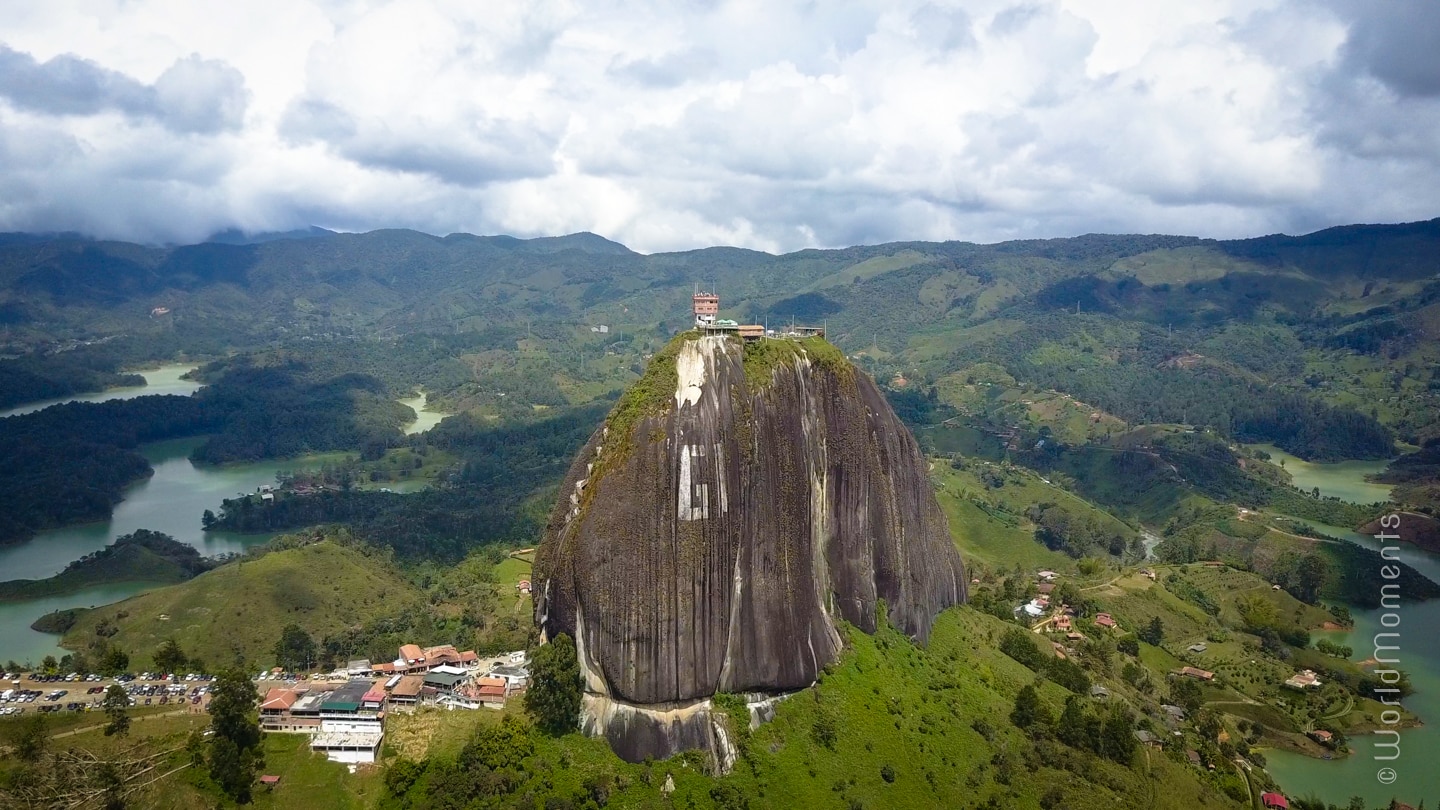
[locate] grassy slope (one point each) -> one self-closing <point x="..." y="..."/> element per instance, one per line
<point x="915" y="709"/>
<point x="239" y="609"/>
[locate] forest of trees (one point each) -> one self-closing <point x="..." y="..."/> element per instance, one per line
<point x="69" y="463"/>
<point x="492" y="497"/>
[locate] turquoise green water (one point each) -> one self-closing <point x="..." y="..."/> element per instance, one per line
<point x="21" y="644"/>
<point x="1336" y="781"/>
<point x="171" y="501"/>
<point x="424" y="419"/>
<point x="1417" y="777"/>
<point x="163" y="380"/>
<point x="1343" y="479"/>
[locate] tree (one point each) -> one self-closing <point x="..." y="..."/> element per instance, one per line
<point x="33" y="739"/>
<point x="117" y="709"/>
<point x="1128" y="645"/>
<point x="49" y="664"/>
<point x="1153" y="633"/>
<point x="1073" y="726"/>
<point x="1016" y="643"/>
<point x="499" y="747"/>
<point x="553" y="698"/>
<point x="113" y="661"/>
<point x="1029" y="711"/>
<point x="295" y="649"/>
<point x="1117" y="736"/>
<point x="169" y="657"/>
<point x="235" y="755"/>
<point x="1186" y="694"/>
<point x="1068" y="674"/>
<point x="1309" y="578"/>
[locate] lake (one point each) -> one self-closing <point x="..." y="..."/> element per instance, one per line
<point x="1335" y="781"/>
<point x="424" y="419"/>
<point x="169" y="501"/>
<point x="21" y="644"/>
<point x="1342" y="479"/>
<point x="162" y="380"/>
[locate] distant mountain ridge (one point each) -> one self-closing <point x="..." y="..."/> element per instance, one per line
<point x="1137" y="302"/>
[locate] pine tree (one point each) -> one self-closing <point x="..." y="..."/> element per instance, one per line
<point x="1153" y="633"/>
<point x="1073" y="727"/>
<point x="1029" y="711"/>
<point x="235" y="755"/>
<point x="117" y="710"/>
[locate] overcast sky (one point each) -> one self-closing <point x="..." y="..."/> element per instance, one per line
<point x="686" y="124"/>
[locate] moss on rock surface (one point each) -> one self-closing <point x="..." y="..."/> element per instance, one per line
<point x="740" y="499"/>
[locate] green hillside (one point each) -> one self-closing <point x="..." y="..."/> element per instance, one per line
<point x="141" y="556"/>
<point x="236" y="612"/>
<point x="1322" y="345"/>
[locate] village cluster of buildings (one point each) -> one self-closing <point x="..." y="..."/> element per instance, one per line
<point x="706" y="308"/>
<point x="346" y="719"/>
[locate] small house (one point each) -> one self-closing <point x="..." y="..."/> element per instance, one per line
<point x="1197" y="648"/>
<point x="1269" y="800"/>
<point x="1194" y="758"/>
<point x="523" y="586"/>
<point x="1196" y="673"/>
<point x="1302" y="680"/>
<point x="1105" y="620"/>
<point x="1322" y="736"/>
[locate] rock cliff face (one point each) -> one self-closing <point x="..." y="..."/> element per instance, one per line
<point x="739" y="499"/>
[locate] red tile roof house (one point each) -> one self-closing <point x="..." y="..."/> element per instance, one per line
<point x="443" y="654"/>
<point x="412" y="657"/>
<point x="1104" y="620"/>
<point x="1202" y="674"/>
<point x="492" y="692"/>
<point x="1274" y="800"/>
<point x="523" y="586"/>
<point x="1320" y="735"/>
<point x="275" y="713"/>
<point x="1046" y="587"/>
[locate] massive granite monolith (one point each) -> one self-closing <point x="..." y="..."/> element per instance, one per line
<point x="739" y="499"/>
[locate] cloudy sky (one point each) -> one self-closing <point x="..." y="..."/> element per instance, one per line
<point x="685" y="124"/>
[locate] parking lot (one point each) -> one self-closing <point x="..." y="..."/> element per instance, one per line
<point x="21" y="693"/>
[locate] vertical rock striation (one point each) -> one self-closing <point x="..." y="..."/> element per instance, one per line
<point x="739" y="499"/>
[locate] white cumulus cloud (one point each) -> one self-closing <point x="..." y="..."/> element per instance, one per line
<point x="670" y="126"/>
